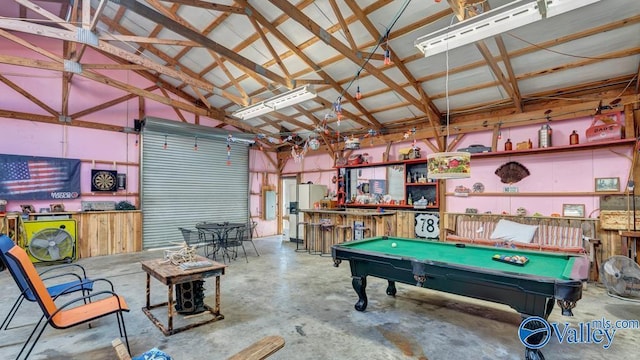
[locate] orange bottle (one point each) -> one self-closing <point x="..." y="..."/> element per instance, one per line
<point x="574" y="139"/>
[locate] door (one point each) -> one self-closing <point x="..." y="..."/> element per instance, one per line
<point x="288" y="186"/>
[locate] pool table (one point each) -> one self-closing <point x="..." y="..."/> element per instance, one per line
<point x="468" y="270"/>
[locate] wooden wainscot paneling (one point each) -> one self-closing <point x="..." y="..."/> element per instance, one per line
<point x="108" y="232"/>
<point x="405" y="225"/>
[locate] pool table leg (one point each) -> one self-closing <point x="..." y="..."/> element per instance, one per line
<point x="391" y="288"/>
<point x="550" y="304"/>
<point x="359" y="284"/>
<point x="533" y="354"/>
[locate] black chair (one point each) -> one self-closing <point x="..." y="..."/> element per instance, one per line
<point x="235" y="240"/>
<point x="248" y="235"/>
<point x="191" y="237"/>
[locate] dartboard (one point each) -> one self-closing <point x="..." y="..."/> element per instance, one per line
<point x="103" y="180"/>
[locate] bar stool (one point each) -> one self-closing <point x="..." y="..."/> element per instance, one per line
<point x="313" y="235"/>
<point x="326" y="230"/>
<point x="345" y="230"/>
<point x="304" y="231"/>
<point x="365" y="230"/>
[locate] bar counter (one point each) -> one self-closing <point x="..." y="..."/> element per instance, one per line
<point x="350" y="223"/>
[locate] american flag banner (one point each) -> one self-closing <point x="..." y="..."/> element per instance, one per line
<point x="38" y="178"/>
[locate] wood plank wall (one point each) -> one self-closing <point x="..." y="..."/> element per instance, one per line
<point x="108" y="232"/>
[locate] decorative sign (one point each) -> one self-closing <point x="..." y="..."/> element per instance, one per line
<point x="38" y="178"/>
<point x="104" y="180"/>
<point x="427" y="225"/>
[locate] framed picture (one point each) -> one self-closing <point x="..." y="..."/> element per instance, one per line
<point x="573" y="210"/>
<point x="608" y="184"/>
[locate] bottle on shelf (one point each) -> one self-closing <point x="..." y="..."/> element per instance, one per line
<point x="408" y="177"/>
<point x="529" y="144"/>
<point x="410" y="200"/>
<point x="544" y="136"/>
<point x="574" y="138"/>
<point x="508" y="146"/>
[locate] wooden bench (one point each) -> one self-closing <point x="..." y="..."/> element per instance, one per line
<point x="259" y="350"/>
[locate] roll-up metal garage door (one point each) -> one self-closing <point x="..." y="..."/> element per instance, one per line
<point x="181" y="186"/>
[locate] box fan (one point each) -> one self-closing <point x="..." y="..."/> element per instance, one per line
<point x="51" y="240"/>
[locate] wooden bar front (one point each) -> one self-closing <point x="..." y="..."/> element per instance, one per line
<point x="375" y="223"/>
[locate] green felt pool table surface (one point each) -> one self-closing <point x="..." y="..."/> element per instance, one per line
<point x="553" y="265"/>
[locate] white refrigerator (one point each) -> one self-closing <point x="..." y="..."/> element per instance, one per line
<point x="302" y="196"/>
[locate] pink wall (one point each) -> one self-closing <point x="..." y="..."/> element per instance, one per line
<point x="20" y="137"/>
<point x="556" y="173"/>
<point x="574" y="171"/>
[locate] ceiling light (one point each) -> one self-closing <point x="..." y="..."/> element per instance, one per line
<point x="293" y="97"/>
<point x="252" y="111"/>
<point x="289" y="98"/>
<point x="499" y="20"/>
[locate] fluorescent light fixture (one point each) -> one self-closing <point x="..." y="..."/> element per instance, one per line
<point x="289" y="98"/>
<point x="293" y="97"/>
<point x="252" y="111"/>
<point x="499" y="20"/>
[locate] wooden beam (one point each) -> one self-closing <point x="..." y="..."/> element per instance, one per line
<point x="164" y="92"/>
<point x="331" y="41"/>
<point x="148" y="40"/>
<point x="150" y="14"/>
<point x="171" y="14"/>
<point x="210" y="6"/>
<point x="428" y="107"/>
<point x="10" y="114"/>
<point x="71" y="35"/>
<point x="97" y="14"/>
<point x="267" y="24"/>
<point x="343" y="24"/>
<point x="26" y="94"/>
<point x="273" y="51"/>
<point x="109" y="104"/>
<point x="37" y="64"/>
<point x="504" y="55"/>
<point x="493" y="65"/>
<point x="244" y="100"/>
<point x="141" y="108"/>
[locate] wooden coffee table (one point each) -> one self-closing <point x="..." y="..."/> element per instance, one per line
<point x="171" y="275"/>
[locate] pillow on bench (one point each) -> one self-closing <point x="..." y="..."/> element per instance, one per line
<point x="512" y="231"/>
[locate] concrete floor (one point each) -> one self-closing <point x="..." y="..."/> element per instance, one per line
<point x="306" y="300"/>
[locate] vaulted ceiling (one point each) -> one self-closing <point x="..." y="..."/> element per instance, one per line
<point x="218" y="56"/>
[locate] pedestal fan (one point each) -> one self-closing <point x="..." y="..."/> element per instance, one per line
<point x="621" y="276"/>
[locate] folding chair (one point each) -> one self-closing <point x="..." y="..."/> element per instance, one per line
<point x="66" y="315"/>
<point x="81" y="283"/>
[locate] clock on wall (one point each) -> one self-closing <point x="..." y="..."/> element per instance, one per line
<point x="104" y="180"/>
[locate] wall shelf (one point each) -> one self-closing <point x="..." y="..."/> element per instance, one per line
<point x="576" y="193"/>
<point x="557" y="149"/>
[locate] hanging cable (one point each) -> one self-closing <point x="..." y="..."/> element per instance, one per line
<point x="382" y="38"/>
